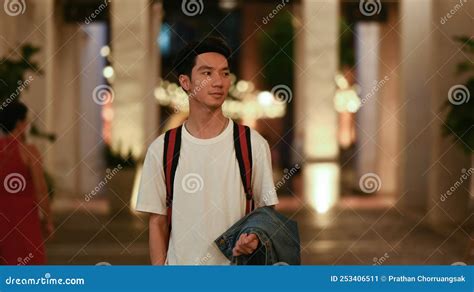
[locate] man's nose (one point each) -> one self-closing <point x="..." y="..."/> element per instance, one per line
<point x="217" y="81"/>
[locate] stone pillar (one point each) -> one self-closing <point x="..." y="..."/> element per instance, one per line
<point x="43" y="32"/>
<point x="135" y="27"/>
<point x="433" y="166"/>
<point x="415" y="69"/>
<point x="91" y="152"/>
<point x="9" y="28"/>
<point x="367" y="37"/>
<point x="316" y="118"/>
<point x="450" y="170"/>
<point x="64" y="110"/>
<point x="389" y="105"/>
<point x="53" y="97"/>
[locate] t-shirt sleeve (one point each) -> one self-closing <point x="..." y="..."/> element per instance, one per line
<point x="152" y="190"/>
<point x="262" y="176"/>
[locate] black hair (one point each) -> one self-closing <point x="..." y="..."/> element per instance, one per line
<point x="12" y="114"/>
<point x="186" y="58"/>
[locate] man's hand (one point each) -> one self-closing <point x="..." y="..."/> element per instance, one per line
<point x="246" y="244"/>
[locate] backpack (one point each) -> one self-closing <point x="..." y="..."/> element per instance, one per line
<point x="243" y="153"/>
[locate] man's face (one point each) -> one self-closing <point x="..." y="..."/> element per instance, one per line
<point x="210" y="81"/>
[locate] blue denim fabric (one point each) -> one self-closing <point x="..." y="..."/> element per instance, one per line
<point x="278" y="236"/>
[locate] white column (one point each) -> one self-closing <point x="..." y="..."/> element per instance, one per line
<point x="43" y="32"/>
<point x="53" y="97"/>
<point x="91" y="145"/>
<point x="8" y="30"/>
<point x="50" y="29"/>
<point x="135" y="26"/>
<point x="65" y="108"/>
<point x="450" y="170"/>
<point x="316" y="118"/>
<point x="390" y="102"/>
<point x="415" y="70"/>
<point x="367" y="37"/>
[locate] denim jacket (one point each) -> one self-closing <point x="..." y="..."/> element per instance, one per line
<point x="278" y="236"/>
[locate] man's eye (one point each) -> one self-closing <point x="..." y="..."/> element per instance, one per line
<point x="207" y="73"/>
<point x="226" y="74"/>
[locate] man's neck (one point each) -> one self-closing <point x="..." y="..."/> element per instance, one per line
<point x="206" y="124"/>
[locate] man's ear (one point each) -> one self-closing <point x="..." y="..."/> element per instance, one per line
<point x="185" y="82"/>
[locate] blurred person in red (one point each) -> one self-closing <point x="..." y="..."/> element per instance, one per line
<point x="23" y="192"/>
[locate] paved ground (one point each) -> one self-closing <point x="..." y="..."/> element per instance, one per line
<point x="347" y="235"/>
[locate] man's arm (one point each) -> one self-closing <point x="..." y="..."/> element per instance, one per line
<point x="264" y="190"/>
<point x="159" y="237"/>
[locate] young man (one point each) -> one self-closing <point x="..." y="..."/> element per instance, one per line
<point x="208" y="192"/>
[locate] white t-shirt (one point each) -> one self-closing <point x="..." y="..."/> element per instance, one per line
<point x="208" y="192"/>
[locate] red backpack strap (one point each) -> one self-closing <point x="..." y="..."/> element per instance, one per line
<point x="170" y="163"/>
<point x="243" y="152"/>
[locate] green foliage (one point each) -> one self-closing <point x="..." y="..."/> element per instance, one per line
<point x="13" y="71"/>
<point x="276" y="47"/>
<point x="113" y="159"/>
<point x="346" y="45"/>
